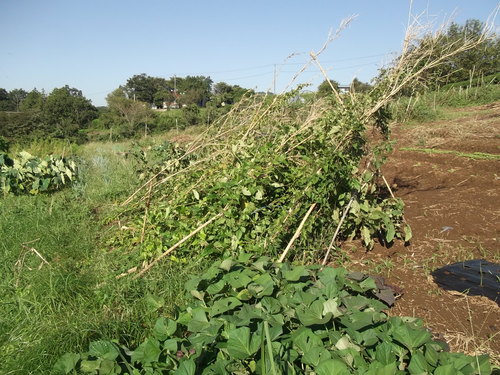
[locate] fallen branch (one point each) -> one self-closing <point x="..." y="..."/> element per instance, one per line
<point x="296" y="234"/>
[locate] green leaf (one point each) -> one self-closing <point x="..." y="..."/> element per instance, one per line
<point x="187" y="367"/>
<point x="223" y="305"/>
<point x="164" y="328"/>
<point x="418" y="365"/>
<point x="332" y="367"/>
<point x="90" y="366"/>
<point x="246" y="192"/>
<point x="384" y="353"/>
<point x="390" y="231"/>
<point x="313" y="314"/>
<point x="104" y="350"/>
<point x="305" y="339"/>
<point x="216" y="287"/>
<point x="411" y="338"/>
<point x="226" y="264"/>
<point x="446" y="370"/>
<point x="170" y="345"/>
<point x="237" y="279"/>
<point x="67" y="363"/>
<point x="315" y="355"/>
<point x="408" y="233"/>
<point x="295" y="273"/>
<point x="241" y="344"/>
<point x="149" y="351"/>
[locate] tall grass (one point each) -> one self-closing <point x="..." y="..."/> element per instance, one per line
<point x="432" y="105"/>
<point x="59" y="303"/>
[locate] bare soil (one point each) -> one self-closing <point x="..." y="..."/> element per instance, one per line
<point x="453" y="207"/>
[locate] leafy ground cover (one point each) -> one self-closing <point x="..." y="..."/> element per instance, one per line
<point x="250" y="315"/>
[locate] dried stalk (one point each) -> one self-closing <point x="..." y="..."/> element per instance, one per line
<point x="332" y="242"/>
<point x="296" y="234"/>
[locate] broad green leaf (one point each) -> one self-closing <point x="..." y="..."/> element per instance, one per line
<point x="447" y="370"/>
<point x="315" y="355"/>
<point x="304" y="339"/>
<point x="223" y="305"/>
<point x="237" y="279"/>
<point x="198" y="320"/>
<point x="390" y="231"/>
<point x="332" y="306"/>
<point x="241" y="344"/>
<point x="170" y="345"/>
<point x="384" y="353"/>
<point x="418" y="365"/>
<point x="216" y="287"/>
<point x="295" y="273"/>
<point x="90" y="366"/>
<point x="104" y="350"/>
<point x="187" y="367"/>
<point x="226" y="264"/>
<point x="313" y="314"/>
<point x="164" y="328"/>
<point x="411" y="338"/>
<point x="332" y="367"/>
<point x="149" y="351"/>
<point x="358" y="320"/>
<point x="67" y="363"/>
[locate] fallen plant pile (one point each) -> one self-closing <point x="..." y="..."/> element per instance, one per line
<point x="28" y="174"/>
<point x="253" y="316"/>
<point x="255" y="176"/>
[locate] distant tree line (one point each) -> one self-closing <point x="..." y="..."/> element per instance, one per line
<point x="66" y="113"/>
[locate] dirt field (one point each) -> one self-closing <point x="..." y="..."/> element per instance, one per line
<point x="453" y="206"/>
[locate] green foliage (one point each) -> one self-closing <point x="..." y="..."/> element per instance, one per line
<point x="264" y="185"/>
<point x="325" y="88"/>
<point x="252" y="316"/>
<point x="66" y="111"/>
<point x="28" y="174"/>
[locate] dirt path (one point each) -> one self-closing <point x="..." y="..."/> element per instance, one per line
<point x="453" y="206"/>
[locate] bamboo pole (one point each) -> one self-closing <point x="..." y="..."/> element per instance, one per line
<point x="296" y="234"/>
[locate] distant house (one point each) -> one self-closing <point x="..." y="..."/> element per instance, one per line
<point x="344" y="89"/>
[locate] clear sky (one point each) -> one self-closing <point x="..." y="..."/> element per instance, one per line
<point x="95" y="46"/>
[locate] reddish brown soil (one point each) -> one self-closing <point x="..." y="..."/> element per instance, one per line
<point x="444" y="190"/>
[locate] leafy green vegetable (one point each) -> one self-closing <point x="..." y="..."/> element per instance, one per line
<point x="300" y="325"/>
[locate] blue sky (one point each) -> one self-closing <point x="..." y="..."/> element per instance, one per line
<point x="96" y="46"/>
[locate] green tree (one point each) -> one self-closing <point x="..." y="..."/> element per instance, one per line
<point x="325" y="88"/>
<point x="126" y="113"/>
<point x="145" y="88"/>
<point x="17" y="96"/>
<point x="5" y="102"/>
<point x="33" y="101"/>
<point x="194" y="90"/>
<point x="191" y="114"/>
<point x="228" y="94"/>
<point x="66" y="111"/>
<point x="361" y="87"/>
